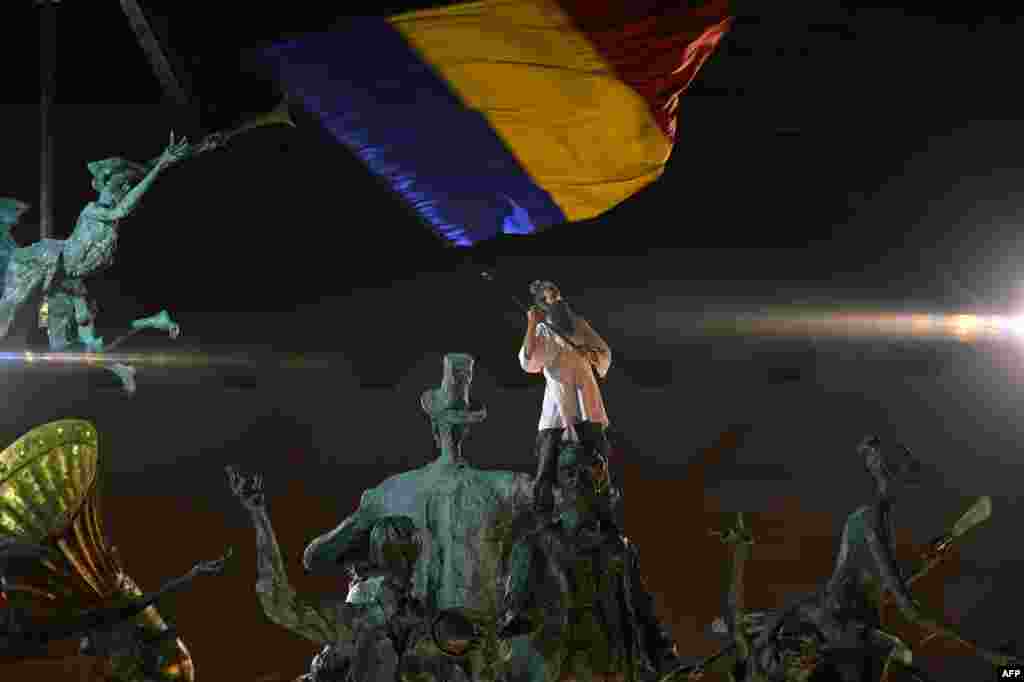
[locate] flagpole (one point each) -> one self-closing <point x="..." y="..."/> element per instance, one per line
<point x="47" y="82"/>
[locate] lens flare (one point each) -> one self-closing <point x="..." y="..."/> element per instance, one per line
<point x="802" y="322"/>
<point x="170" y="360"/>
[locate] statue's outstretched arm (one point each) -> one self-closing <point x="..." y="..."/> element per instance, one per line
<point x="736" y="621"/>
<point x="939" y="549"/>
<point x="175" y="151"/>
<point x="347" y="544"/>
<point x="108" y="617"/>
<point x="881" y="547"/>
<point x="740" y="539"/>
<point x="657" y="640"/>
<point x="324" y="623"/>
<point x="282" y="604"/>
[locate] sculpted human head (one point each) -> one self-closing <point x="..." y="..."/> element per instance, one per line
<point x="113" y="178"/>
<point x="449" y="406"/>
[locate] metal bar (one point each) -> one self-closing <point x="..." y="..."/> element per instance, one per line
<point x="47" y="81"/>
<point x="154" y="52"/>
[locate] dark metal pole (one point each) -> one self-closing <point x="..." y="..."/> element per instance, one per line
<point x="157" y="54"/>
<point x="47" y="82"/>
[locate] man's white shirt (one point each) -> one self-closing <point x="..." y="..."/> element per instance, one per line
<point x="572" y="394"/>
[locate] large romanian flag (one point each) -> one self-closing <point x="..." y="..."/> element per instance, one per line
<point x="507" y="116"/>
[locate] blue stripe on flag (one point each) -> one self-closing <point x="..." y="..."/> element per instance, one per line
<point x="374" y="93"/>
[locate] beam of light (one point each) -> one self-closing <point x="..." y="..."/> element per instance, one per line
<point x="1015" y="325"/>
<point x="193" y="360"/>
<point x="799" y="322"/>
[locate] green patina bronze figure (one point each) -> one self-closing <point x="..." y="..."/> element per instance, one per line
<point x="468" y="512"/>
<point x="574" y="589"/>
<point x="393" y="637"/>
<point x="837" y="633"/>
<point x="11" y="211"/>
<point x="53" y="272"/>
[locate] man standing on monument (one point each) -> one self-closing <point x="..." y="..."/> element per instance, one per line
<point x="568" y="351"/>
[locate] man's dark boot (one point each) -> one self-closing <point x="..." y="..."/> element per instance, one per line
<point x="547" y="471"/>
<point x="596" y="442"/>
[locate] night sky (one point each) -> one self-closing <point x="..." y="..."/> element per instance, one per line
<point x="840" y="158"/>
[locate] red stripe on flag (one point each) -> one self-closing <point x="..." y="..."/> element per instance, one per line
<point x="657" y="47"/>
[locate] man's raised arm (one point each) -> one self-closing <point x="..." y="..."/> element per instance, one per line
<point x="600" y="354"/>
<point x="534" y="352"/>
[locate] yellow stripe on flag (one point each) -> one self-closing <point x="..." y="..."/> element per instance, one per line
<point x="581" y="134"/>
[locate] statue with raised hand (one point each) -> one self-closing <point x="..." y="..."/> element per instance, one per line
<point x="394" y="637"/>
<point x="56" y="271"/>
<point x="838" y="630"/>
